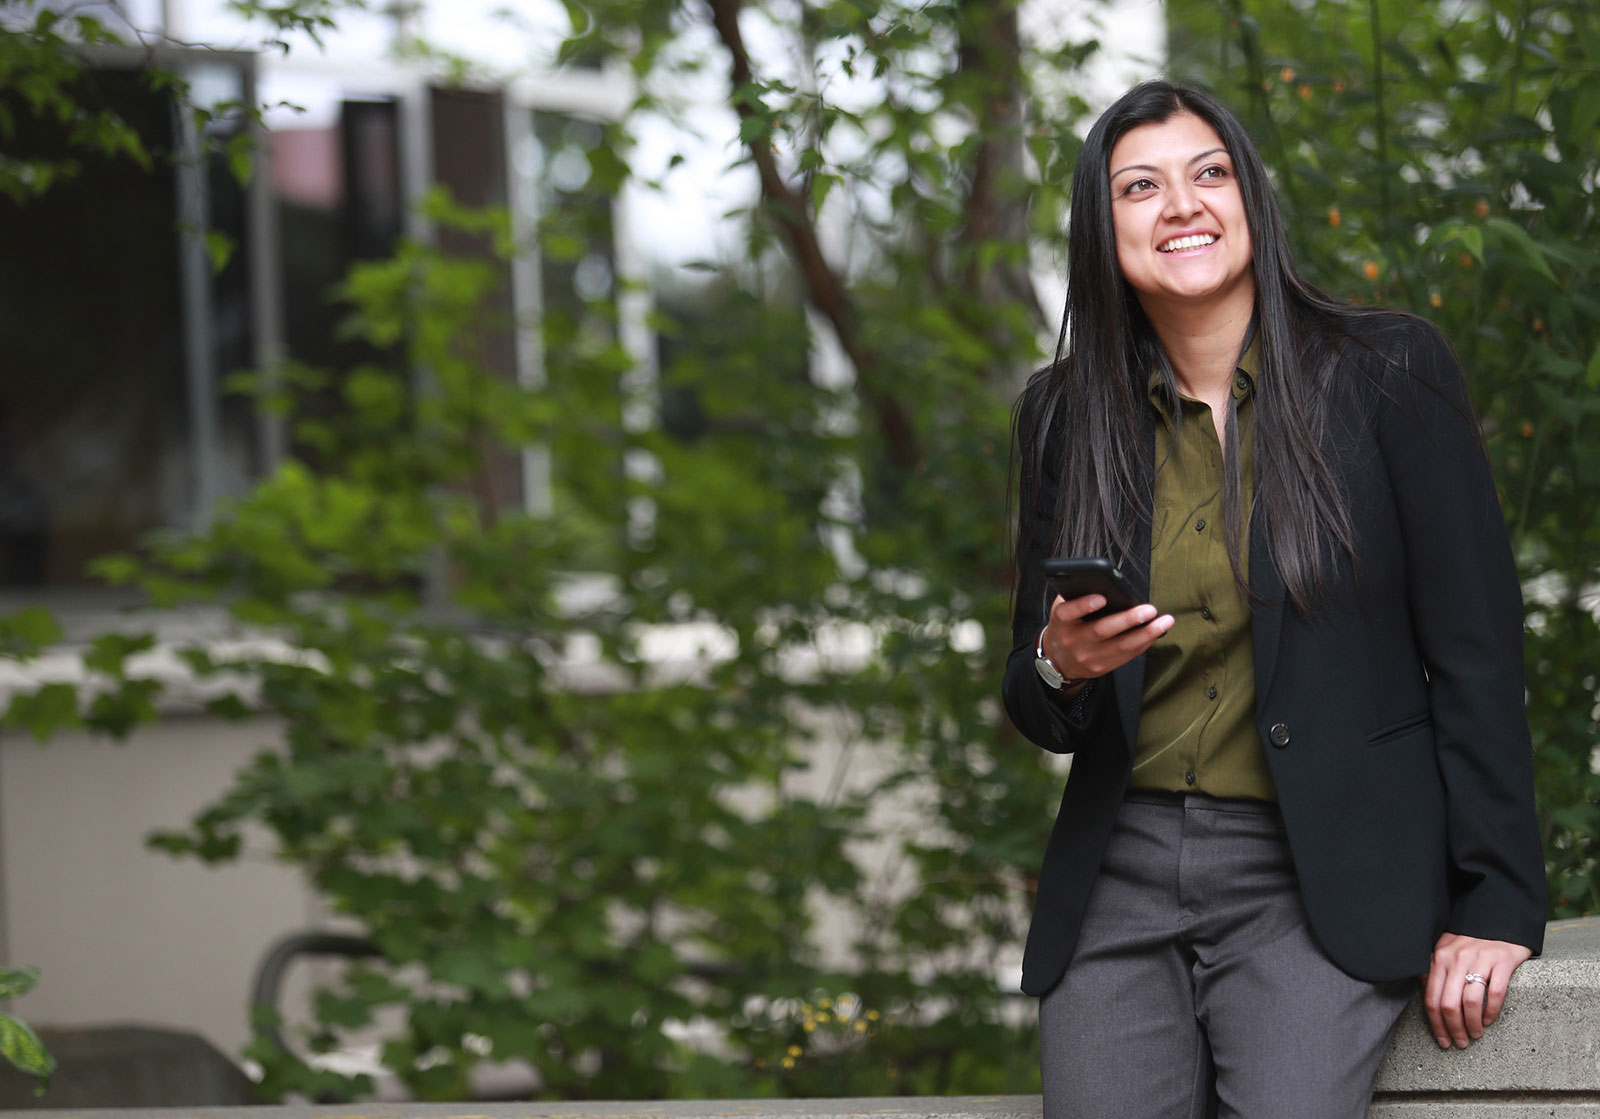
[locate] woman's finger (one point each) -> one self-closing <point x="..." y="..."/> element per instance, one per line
<point x="1455" y="1024"/>
<point x="1499" y="980"/>
<point x="1072" y="609"/>
<point x="1474" y="987"/>
<point x="1114" y="625"/>
<point x="1433" y="1001"/>
<point x="1137" y="640"/>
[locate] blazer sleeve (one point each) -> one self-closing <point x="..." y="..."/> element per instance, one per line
<point x="1466" y="609"/>
<point x="1035" y="709"/>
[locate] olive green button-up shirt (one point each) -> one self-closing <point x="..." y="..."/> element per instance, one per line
<point x="1197" y="725"/>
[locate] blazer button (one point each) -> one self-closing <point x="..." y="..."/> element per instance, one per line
<point x="1279" y="734"/>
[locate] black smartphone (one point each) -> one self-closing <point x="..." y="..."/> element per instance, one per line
<point x="1074" y="577"/>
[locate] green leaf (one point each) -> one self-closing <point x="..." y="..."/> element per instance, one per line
<point x="220" y="248"/>
<point x="229" y="707"/>
<point x="1592" y="373"/>
<point x="22" y="1047"/>
<point x="17" y="981"/>
<point x="52" y="708"/>
<point x="109" y="652"/>
<point x="25" y="634"/>
<point x="753" y="128"/>
<point x="821" y="185"/>
<point x="1529" y="248"/>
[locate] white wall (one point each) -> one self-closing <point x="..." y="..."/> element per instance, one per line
<point x="121" y="932"/>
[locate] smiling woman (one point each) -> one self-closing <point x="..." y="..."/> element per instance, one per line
<point x="1181" y="229"/>
<point x="1302" y="774"/>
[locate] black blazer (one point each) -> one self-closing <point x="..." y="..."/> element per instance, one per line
<point x="1392" y="721"/>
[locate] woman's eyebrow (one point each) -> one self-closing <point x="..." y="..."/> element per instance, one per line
<point x="1147" y="167"/>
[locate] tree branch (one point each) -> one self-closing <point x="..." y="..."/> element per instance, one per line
<point x="995" y="207"/>
<point x="827" y="293"/>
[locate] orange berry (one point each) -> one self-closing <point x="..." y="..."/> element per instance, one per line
<point x="1305" y="92"/>
<point x="1538" y="326"/>
<point x="1481" y="208"/>
<point x="1333" y="216"/>
<point x="1371" y="269"/>
<point x="1266" y="83"/>
<point x="1465" y="259"/>
<point x="1436" y="300"/>
<point x="1287" y="74"/>
<point x="1527" y="429"/>
<point x="1339" y="86"/>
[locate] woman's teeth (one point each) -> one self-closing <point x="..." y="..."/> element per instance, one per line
<point x="1178" y="244"/>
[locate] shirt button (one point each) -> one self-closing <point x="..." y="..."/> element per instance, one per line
<point x="1188" y="778"/>
<point x="1211" y="692"/>
<point x="1279" y="734"/>
<point x="1242" y="383"/>
<point x="1205" y="612"/>
<point x="1200" y="525"/>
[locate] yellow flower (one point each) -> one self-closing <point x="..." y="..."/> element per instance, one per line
<point x="825" y="1003"/>
<point x="788" y="1062"/>
<point x="823" y="1017"/>
<point x="861" y="1027"/>
<point x="794" y="1050"/>
<point x="1436" y="300"/>
<point x="809" y="1026"/>
<point x="872" y="1015"/>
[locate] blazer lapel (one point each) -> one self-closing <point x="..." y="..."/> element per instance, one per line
<point x="1266" y="615"/>
<point x="1128" y="680"/>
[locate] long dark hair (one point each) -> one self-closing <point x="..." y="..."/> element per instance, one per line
<point x="1088" y="405"/>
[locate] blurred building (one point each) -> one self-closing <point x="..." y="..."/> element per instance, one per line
<point x="118" y="334"/>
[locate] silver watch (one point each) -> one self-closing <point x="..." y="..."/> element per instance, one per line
<point x="1048" y="672"/>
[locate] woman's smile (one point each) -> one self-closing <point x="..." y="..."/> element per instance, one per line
<point x="1187" y="243"/>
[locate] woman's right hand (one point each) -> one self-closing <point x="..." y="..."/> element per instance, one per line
<point x="1082" y="648"/>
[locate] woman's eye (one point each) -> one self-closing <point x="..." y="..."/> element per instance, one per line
<point x="1138" y="185"/>
<point x="1214" y="172"/>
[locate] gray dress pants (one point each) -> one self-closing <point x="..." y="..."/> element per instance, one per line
<point x="1196" y="988"/>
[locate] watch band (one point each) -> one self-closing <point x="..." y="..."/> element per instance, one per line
<point x="1048" y="672"/>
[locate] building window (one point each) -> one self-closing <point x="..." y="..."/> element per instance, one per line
<point x="117" y="329"/>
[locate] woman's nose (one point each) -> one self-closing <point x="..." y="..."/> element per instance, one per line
<point x="1182" y="201"/>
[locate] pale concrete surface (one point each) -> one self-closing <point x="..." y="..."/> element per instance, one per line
<point x="1546" y="1040"/>
<point x="1485" y="1109"/>
<point x="963" y="1107"/>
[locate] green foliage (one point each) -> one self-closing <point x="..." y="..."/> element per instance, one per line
<point x="576" y="872"/>
<point x="593" y="780"/>
<point x="1443" y="160"/>
<point x="18" y="1043"/>
<point x="41" y="75"/>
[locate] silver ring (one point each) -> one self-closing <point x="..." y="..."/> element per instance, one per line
<point x="1474" y="977"/>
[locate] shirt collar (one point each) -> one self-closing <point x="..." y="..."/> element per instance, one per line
<point x="1244" y="381"/>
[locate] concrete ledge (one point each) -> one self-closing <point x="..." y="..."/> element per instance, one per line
<point x="1543" y="1054"/>
<point x="930" y="1107"/>
<point x="1541" y="1060"/>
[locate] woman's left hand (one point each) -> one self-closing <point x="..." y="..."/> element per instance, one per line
<point x="1458" y="1010"/>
